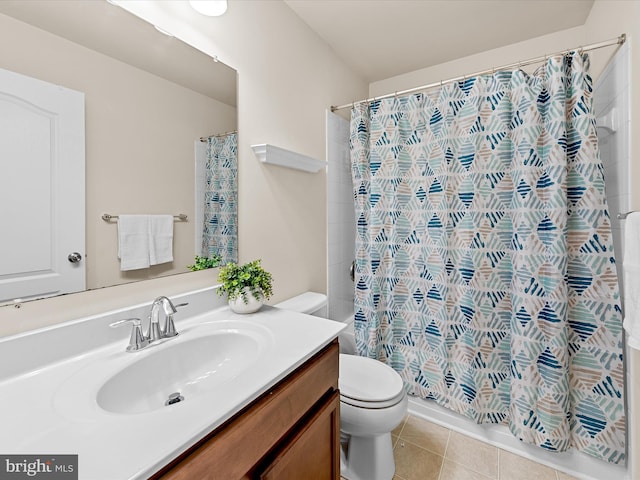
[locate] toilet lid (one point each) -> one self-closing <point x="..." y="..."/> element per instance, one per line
<point x="368" y="380"/>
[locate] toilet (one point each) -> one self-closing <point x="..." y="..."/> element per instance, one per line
<point x="372" y="402"/>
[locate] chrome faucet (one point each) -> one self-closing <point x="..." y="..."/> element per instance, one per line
<point x="138" y="339"/>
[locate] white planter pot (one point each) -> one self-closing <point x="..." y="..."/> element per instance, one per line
<point x="237" y="305"/>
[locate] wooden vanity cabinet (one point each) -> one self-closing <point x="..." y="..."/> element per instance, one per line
<point x="290" y="432"/>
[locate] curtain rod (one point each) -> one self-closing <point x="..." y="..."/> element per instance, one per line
<point x="204" y="139"/>
<point x="615" y="41"/>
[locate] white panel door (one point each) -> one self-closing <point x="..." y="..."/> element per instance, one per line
<point x="42" y="216"/>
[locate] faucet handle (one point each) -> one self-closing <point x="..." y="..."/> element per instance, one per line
<point x="137" y="340"/>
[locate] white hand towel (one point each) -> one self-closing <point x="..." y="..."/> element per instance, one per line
<point x="133" y="241"/>
<point x="631" y="272"/>
<point x="160" y="239"/>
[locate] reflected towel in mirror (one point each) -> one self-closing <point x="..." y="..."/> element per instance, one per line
<point x="160" y="239"/>
<point x="133" y="241"/>
<point x="144" y="240"/>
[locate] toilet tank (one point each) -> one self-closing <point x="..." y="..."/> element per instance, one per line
<point x="311" y="303"/>
<point x="315" y="304"/>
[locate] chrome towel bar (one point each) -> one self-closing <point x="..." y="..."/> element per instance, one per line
<point x="107" y="217"/>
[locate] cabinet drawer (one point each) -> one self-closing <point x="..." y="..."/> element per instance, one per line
<point x="237" y="446"/>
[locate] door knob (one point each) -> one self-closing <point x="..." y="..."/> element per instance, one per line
<point x="74" y="257"/>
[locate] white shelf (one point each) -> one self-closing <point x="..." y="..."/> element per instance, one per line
<point x="272" y="155"/>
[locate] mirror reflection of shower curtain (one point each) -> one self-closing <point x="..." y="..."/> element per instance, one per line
<point x="220" y="226"/>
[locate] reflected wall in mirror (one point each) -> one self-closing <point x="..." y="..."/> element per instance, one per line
<point x="149" y="98"/>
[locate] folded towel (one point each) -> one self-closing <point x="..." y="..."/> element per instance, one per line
<point x="160" y="239"/>
<point x="631" y="271"/>
<point x="133" y="241"/>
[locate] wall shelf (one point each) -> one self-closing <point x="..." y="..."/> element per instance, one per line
<point x="272" y="155"/>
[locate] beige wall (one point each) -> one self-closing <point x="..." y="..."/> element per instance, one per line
<point x="481" y="61"/>
<point x="287" y="78"/>
<point x="140" y="132"/>
<point x="607" y="20"/>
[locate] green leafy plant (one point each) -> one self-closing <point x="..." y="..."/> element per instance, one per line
<point x="235" y="278"/>
<point x="203" y="263"/>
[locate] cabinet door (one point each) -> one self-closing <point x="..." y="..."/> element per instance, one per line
<point x="313" y="453"/>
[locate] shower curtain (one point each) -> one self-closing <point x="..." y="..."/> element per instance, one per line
<point x="485" y="272"/>
<point x="220" y="229"/>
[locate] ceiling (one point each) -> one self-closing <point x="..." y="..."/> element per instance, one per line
<point x="113" y="31"/>
<point x="380" y="39"/>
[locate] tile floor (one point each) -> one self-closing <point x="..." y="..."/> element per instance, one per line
<point x="426" y="451"/>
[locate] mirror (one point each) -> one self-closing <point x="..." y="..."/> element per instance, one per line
<point x="149" y="98"/>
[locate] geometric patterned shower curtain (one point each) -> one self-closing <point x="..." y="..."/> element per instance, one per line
<point x="220" y="230"/>
<point x="485" y="272"/>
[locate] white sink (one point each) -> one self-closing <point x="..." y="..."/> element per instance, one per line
<point x="187" y="368"/>
<point x="203" y="363"/>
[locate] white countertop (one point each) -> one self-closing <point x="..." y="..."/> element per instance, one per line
<point x="52" y="409"/>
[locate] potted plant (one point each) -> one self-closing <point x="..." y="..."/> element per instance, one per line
<point x="246" y="286"/>
<point x="203" y="263"/>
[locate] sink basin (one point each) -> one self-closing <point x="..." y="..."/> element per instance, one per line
<point x="187" y="367"/>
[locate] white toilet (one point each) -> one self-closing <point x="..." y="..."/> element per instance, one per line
<point x="372" y="402"/>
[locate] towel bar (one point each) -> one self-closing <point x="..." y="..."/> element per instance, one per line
<point x="106" y="217"/>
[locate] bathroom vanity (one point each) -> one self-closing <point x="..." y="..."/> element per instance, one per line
<point x="290" y="432"/>
<point x="259" y="395"/>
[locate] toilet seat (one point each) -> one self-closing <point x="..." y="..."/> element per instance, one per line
<point x="368" y="383"/>
<point x="372" y="405"/>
